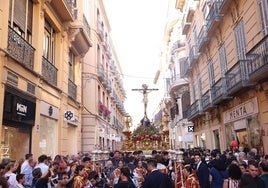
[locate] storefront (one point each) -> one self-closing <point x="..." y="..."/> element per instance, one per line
<point x="242" y="125"/>
<point x="18" y="120"/>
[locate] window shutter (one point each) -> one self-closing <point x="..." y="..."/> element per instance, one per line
<point x="20" y="13"/>
<point x="30" y="16"/>
<point x="223" y="60"/>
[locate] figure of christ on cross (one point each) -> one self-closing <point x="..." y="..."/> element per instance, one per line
<point x="144" y="90"/>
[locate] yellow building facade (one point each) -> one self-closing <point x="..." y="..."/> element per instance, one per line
<point x="226" y="43"/>
<point x="41" y="50"/>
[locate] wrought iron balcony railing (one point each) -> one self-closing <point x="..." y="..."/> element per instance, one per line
<point x="101" y="73"/>
<point x="194" y="110"/>
<point x="219" y="91"/>
<point x="258" y="65"/>
<point x="214" y="14"/>
<point x="49" y="72"/>
<point x="237" y="76"/>
<point x="20" y="49"/>
<point x="72" y="89"/>
<point x="202" y="38"/>
<point x="206" y="101"/>
<point x="86" y="26"/>
<point x="193" y="55"/>
<point x="184" y="65"/>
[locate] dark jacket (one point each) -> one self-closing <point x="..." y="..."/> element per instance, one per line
<point x="203" y="175"/>
<point x="124" y="184"/>
<point x="157" y="180"/>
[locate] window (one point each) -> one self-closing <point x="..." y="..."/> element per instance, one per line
<point x="200" y="87"/>
<point x="20" y="17"/>
<point x="211" y="73"/>
<point x="263" y="4"/>
<point x="71" y="65"/>
<point x="240" y="41"/>
<point x="223" y="60"/>
<point x="49" y="43"/>
<point x="193" y="92"/>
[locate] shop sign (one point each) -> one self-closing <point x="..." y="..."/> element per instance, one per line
<point x="241" y="111"/>
<point x="19" y="108"/>
<point x="49" y="110"/>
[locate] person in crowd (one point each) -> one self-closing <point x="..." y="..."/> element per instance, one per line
<point x="80" y="180"/>
<point x="117" y="172"/>
<point x="242" y="157"/>
<point x="62" y="164"/>
<point x="2" y="170"/>
<point x="40" y="180"/>
<point x="42" y="164"/>
<point x="140" y="171"/>
<point x="27" y="171"/>
<point x="131" y="164"/>
<point x="214" y="155"/>
<point x="20" y="179"/>
<point x="154" y="153"/>
<point x="202" y="171"/>
<point x="108" y="171"/>
<point x="252" y="179"/>
<point x="3" y="182"/>
<point x="96" y="181"/>
<point x="125" y="179"/>
<point x="71" y="174"/>
<point x="189" y="178"/>
<point x="264" y="171"/>
<point x="218" y="173"/>
<point x="10" y="175"/>
<point x="234" y="177"/>
<point x="116" y="158"/>
<point x="86" y="161"/>
<point x="156" y="179"/>
<point x="26" y="165"/>
<point x="243" y="167"/>
<point x="63" y="180"/>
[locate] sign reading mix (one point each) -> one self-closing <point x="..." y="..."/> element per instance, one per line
<point x="241" y="111"/>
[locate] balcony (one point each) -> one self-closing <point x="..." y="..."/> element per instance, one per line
<point x="20" y="49"/>
<point x="80" y="33"/>
<point x="206" y="101"/>
<point x="72" y="89"/>
<point x="64" y="8"/>
<point x="100" y="30"/>
<point x="105" y="81"/>
<point x="194" y="111"/>
<point x="237" y="77"/>
<point x="258" y="65"/>
<point x="193" y="55"/>
<point x="101" y="73"/>
<point x="49" y="72"/>
<point x="203" y="38"/>
<point x="219" y="91"/>
<point x="176" y="82"/>
<point x="214" y="16"/>
<point x="185" y="25"/>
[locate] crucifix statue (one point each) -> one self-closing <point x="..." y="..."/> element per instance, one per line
<point x="144" y="90"/>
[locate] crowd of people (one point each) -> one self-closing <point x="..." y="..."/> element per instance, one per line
<point x="200" y="168"/>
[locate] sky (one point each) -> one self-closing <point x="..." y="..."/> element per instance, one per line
<point x="137" y="31"/>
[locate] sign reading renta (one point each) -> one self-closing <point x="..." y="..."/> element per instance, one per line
<point x="243" y="110"/>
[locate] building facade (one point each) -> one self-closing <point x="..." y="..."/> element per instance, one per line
<point x="103" y="92"/>
<point x="226" y="43"/>
<point x="42" y="46"/>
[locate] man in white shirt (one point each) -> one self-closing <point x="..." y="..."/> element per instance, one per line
<point x="42" y="164"/>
